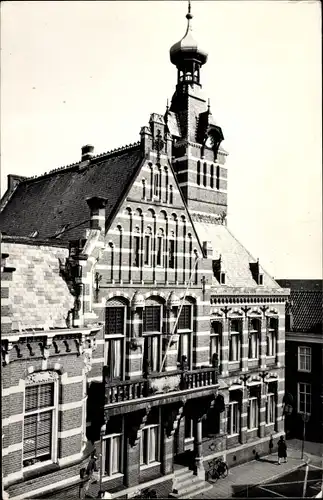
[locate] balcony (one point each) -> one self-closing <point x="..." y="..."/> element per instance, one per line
<point x="166" y="384"/>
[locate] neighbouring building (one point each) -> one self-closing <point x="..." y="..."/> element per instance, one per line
<point x="304" y="358"/>
<point x="132" y="318"/>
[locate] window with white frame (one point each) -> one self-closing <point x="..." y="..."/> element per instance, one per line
<point x="233" y="418"/>
<point x="271" y="337"/>
<point x="114" y="341"/>
<point x="234" y="342"/>
<point x="304" y="398"/>
<point x="40" y="418"/>
<point x="270" y="408"/>
<point x="215" y="340"/>
<point x="171" y="254"/>
<point x="253" y="339"/>
<point x="160" y="250"/>
<point x="304" y="359"/>
<point x="147" y="248"/>
<point x="112" y="454"/>
<point x="253" y="413"/>
<point x="184" y="328"/>
<point x="149" y="449"/>
<point x="152" y="351"/>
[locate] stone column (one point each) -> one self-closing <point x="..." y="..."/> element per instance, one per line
<point x="199" y="467"/>
<point x="132" y="465"/>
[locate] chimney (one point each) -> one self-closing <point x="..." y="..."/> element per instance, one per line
<point x="87" y="152"/>
<point x="97" y="207"/>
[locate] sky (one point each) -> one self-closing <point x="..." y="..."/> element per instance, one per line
<point x="81" y="72"/>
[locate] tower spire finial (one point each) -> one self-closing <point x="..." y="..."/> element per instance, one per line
<point x="189" y="15"/>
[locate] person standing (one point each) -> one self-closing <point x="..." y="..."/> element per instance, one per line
<point x="271" y="444"/>
<point x="282" y="450"/>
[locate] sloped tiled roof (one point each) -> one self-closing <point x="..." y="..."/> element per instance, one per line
<point x="48" y="203"/>
<point x="235" y="259"/>
<point x="39" y="297"/>
<point x="305" y="304"/>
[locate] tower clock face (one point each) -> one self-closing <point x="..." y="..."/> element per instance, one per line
<point x="209" y="142"/>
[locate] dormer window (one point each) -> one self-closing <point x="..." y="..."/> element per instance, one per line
<point x="33" y="234"/>
<point x="222" y="278"/>
<point x="256" y="272"/>
<point x="60" y="231"/>
<point x="261" y="279"/>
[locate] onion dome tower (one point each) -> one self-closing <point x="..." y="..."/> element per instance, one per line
<point x="198" y="159"/>
<point x="187" y="56"/>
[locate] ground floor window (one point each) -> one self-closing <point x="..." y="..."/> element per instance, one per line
<point x="233" y="418"/>
<point x="149" y="445"/>
<point x="253" y="413"/>
<point x="270" y="410"/>
<point x="112" y="454"/>
<point x="304" y="398"/>
<point x="189" y="428"/>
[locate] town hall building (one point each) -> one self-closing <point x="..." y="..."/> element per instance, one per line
<point x="133" y="321"/>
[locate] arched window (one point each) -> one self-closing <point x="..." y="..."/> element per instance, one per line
<point x="204" y="174"/>
<point x="120" y="252"/>
<point x="198" y="173"/>
<point x="171" y="251"/>
<point x="185" y="331"/>
<point x="152" y="333"/>
<point x="136" y="247"/>
<point x="217" y="177"/>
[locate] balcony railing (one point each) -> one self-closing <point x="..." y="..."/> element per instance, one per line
<point x="163" y="383"/>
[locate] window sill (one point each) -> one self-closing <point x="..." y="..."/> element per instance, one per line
<point x="233" y="435"/>
<point x="253" y="429"/>
<point x="39" y="469"/>
<point x="148" y="466"/>
<point x="270" y="423"/>
<point x="304" y="371"/>
<point x="189" y="440"/>
<point x="105" y="479"/>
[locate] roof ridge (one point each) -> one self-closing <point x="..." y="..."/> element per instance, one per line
<point x="71" y="165"/>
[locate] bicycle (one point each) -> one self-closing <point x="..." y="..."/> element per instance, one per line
<point x="217" y="469"/>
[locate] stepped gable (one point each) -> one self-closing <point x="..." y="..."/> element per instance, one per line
<point x="55" y="202"/>
<point x="235" y="258"/>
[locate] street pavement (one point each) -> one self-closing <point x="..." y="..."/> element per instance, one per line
<point x="243" y="479"/>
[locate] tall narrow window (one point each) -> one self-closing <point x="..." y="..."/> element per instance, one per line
<point x="234" y="343"/>
<point x="198" y="173"/>
<point x="143" y="189"/>
<point x="233" y="418"/>
<point x="147" y="250"/>
<point x="184" y="328"/>
<point x="304" y="359"/>
<point x="204" y="174"/>
<point x="217" y="177"/>
<point x="114" y="357"/>
<point x="271" y="337"/>
<point x="149" y="445"/>
<point x="136" y="251"/>
<point x="112" y="453"/>
<point x="304" y="398"/>
<point x="156" y="183"/>
<point x="166" y="185"/>
<point x="171" y="194"/>
<point x="253" y="413"/>
<point x="39" y="422"/>
<point x="114" y="327"/>
<point x="152" y="327"/>
<point x="254" y="333"/>
<point x="270" y="408"/>
<point x="159" y="256"/>
<point x="171" y="254"/>
<point x="215" y="341"/>
<point x="151" y="351"/>
<point x="212" y="176"/>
